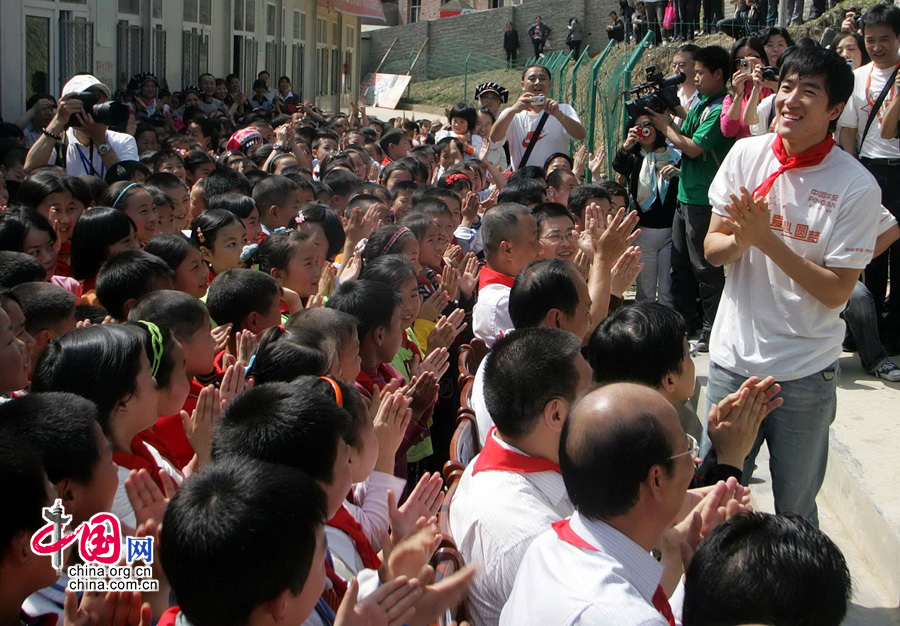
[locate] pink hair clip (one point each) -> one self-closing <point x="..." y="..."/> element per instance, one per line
<point x="299" y="218"/>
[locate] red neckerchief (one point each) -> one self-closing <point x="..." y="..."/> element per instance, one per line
<point x="808" y="158"/>
<point x="141" y="458"/>
<point x="493" y="277"/>
<point x="169" y="617"/>
<point x="219" y="364"/>
<point x="62" y="261"/>
<point x="386" y="161"/>
<point x="283" y="307"/>
<point x="345" y="522"/>
<point x="494" y="457"/>
<point x="45" y="619"/>
<point x="565" y="533"/>
<point x="89" y="284"/>
<point x="382" y="375"/>
<point x="212" y="275"/>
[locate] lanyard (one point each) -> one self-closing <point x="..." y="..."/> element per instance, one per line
<point x="869" y="84"/>
<point x="88" y="163"/>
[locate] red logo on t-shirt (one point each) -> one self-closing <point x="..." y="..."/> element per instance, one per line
<point x="527" y="139"/>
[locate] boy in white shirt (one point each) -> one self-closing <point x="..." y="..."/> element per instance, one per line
<point x="796" y="247"/>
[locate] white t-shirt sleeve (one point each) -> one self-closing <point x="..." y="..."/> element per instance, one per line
<point x="852" y="241"/>
<point x="886" y="221"/>
<point x="763" y="111"/>
<point x="850" y="115"/>
<point x="725" y="184"/>
<point x="124" y="145"/>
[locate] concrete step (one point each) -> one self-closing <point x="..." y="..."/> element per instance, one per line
<point x="858" y="506"/>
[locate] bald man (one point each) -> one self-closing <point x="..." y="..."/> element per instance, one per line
<point x="626" y="463"/>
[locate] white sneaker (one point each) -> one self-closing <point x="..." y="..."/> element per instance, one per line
<point x="888" y="371"/>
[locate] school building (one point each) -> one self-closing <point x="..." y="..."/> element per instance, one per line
<point x="314" y="42"/>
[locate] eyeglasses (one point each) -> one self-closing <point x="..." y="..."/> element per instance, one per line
<point x="693" y="449"/>
<point x="559" y="237"/>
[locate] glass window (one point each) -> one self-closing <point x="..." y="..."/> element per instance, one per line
<point x="37" y="55"/>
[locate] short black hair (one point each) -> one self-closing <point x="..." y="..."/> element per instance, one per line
<point x="218" y="531"/>
<point x="93" y="234"/>
<point x="525" y="370"/>
<point x="687" y="48"/>
<point x="882" y="15"/>
<point x="714" y="58"/>
<point x="319" y="213"/>
<point x="160" y="157"/>
<point x="501" y="223"/>
<point x="172" y="248"/>
<point x="60" y="426"/>
<point x="603" y="467"/>
<point x="532" y="172"/>
<point x="23" y="480"/>
<point x="205" y="229"/>
<point x="555" y="178"/>
<point x="272" y="191"/>
<point x="44" y="305"/>
<point x="165" y="181"/>
<point x="341" y="181"/>
<point x="390" y="138"/>
<point x="15" y="224"/>
<point x="543" y="67"/>
<point x="640" y="344"/>
<point x="525" y="191"/>
<point x="544" y="285"/>
<point x="815" y="61"/>
<point x="35" y="189"/>
<point x="100" y="363"/>
<point x="390" y="269"/>
<point x="124" y="171"/>
<point x="284" y="354"/>
<point x="224" y="180"/>
<point x="582" y="195"/>
<point x="767" y="569"/>
<point x="276" y="250"/>
<point x="236" y="293"/>
<point x="546" y="210"/>
<point x="128" y="275"/>
<point x="181" y="313"/>
<point x="464" y="111"/>
<point x="19" y="267"/>
<point x="281" y="423"/>
<point x="372" y="304"/>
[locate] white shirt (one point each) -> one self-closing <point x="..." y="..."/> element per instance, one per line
<point x="494" y="517"/>
<point x="856" y="113"/>
<point x="474" y="140"/>
<point x="687" y="102"/>
<point x="490" y="315"/>
<point x="79" y="156"/>
<point x="553" y="138"/>
<point x="767" y="324"/>
<point x="559" y="583"/>
<point x="483" y="418"/>
<point x="763" y="112"/>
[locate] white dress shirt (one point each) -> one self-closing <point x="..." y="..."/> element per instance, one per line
<point x="559" y="583"/>
<point x="483" y="418"/>
<point x="494" y="517"/>
<point x="490" y="316"/>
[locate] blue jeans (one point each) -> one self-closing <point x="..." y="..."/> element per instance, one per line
<point x="796" y="434"/>
<point x="862" y="320"/>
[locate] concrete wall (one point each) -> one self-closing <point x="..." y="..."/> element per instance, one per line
<point x="482" y="32"/>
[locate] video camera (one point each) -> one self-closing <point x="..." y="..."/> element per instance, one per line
<point x="658" y="93"/>
<point x="112" y="114"/>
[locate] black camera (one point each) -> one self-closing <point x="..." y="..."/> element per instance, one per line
<point x="112" y="114"/>
<point x="770" y="73"/>
<point x="658" y="93"/>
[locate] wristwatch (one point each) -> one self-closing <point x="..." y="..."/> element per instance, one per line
<point x="103" y="149"/>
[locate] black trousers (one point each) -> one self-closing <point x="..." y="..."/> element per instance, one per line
<point x="887" y="264"/>
<point x="538" y="47"/>
<point x="693" y="277"/>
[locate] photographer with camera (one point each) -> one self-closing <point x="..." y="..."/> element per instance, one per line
<point x="650" y="164"/>
<point x="85" y="114"/>
<point x="739" y="110"/>
<point x="536" y="126"/>
<point x="703" y="146"/>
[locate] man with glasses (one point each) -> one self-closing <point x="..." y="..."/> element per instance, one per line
<point x="626" y="464"/>
<point x="646" y="343"/>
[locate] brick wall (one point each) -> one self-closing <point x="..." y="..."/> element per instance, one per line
<point x="482" y="32"/>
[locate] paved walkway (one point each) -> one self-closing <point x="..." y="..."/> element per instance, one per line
<point x="864" y="464"/>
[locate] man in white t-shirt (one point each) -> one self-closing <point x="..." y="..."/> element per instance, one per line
<point x="881" y="29"/>
<point x="90" y="148"/>
<point x="518" y="123"/>
<point x="795" y="248"/>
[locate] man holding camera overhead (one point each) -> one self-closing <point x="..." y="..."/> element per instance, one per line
<point x="703" y="147"/>
<point x="536" y="126"/>
<point x="90" y="147"/>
